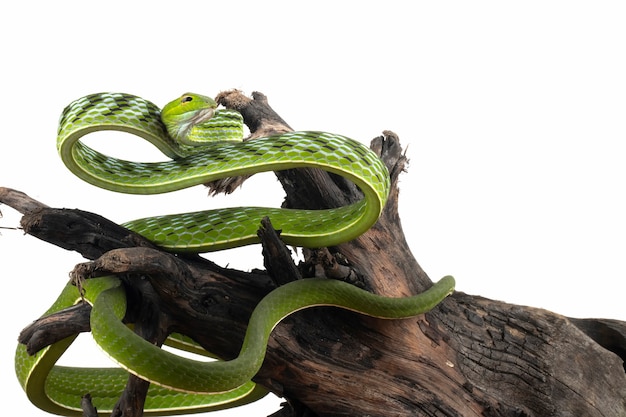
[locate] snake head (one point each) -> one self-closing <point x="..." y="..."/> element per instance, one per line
<point x="180" y="116"/>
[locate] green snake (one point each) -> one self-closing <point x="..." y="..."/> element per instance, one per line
<point x="203" y="144"/>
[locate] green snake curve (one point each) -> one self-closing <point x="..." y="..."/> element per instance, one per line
<point x="204" y="144"/>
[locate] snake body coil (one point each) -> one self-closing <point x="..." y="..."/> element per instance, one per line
<point x="204" y="144"/>
<point x="193" y="165"/>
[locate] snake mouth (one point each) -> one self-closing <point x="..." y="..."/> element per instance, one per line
<point x="202" y="116"/>
<point x="185" y="125"/>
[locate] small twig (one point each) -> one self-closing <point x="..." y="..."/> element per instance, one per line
<point x="55" y="327"/>
<point x="88" y="409"/>
<point x="7" y="228"/>
<point x="276" y="256"/>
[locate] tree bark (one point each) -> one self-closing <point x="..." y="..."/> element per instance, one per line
<point x="470" y="356"/>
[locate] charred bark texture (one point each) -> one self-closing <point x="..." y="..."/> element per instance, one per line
<point x="470" y="356"/>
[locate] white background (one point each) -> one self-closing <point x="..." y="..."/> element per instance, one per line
<point x="513" y="114"/>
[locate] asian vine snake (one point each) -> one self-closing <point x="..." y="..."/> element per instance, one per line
<point x="204" y="144"/>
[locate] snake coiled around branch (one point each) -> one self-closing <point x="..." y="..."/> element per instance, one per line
<point x="204" y="144"/>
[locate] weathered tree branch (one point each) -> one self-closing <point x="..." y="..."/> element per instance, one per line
<point x="468" y="357"/>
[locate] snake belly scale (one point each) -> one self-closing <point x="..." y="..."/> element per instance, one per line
<point x="203" y="144"/>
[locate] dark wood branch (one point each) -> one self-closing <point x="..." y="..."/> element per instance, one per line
<point x="53" y="328"/>
<point x="19" y="201"/>
<point x="133" y="398"/>
<point x="88" y="409"/>
<point x="470" y="356"/>
<point x="87" y="233"/>
<point x="278" y="261"/>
